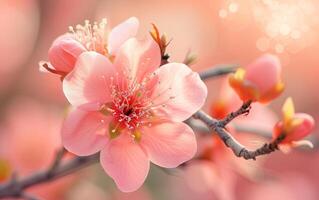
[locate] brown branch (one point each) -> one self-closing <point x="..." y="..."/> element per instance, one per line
<point x="244" y="109"/>
<point x="15" y="187"/>
<point x="218" y="126"/>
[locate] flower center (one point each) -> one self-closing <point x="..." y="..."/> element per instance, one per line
<point x="93" y="37"/>
<point x="133" y="106"/>
<point x="129" y="110"/>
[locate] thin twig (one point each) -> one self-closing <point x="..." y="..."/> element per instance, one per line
<point x="244" y="109"/>
<point x="218" y="126"/>
<point x="218" y="70"/>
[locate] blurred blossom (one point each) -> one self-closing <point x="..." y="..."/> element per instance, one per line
<point x="30" y="139"/>
<point x="287" y="186"/>
<point x="226" y="102"/>
<point x="88" y="190"/>
<point x="19" y="21"/>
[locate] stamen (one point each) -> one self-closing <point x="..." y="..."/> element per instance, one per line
<point x="94" y="38"/>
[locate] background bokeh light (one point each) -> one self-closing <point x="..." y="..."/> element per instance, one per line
<point x="218" y="32"/>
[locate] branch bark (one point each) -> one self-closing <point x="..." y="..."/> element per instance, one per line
<point x="218" y="126"/>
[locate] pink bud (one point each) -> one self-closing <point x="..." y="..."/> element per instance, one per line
<point x="294" y="126"/>
<point x="260" y="81"/>
<point x="64" y="52"/>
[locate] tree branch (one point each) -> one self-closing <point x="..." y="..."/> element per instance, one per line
<point x="15" y="188"/>
<point x="218" y="126"/>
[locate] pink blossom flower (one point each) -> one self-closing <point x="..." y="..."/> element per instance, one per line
<point x="294" y="127"/>
<point x="132" y="111"/>
<point x="66" y="49"/>
<point x="260" y="81"/>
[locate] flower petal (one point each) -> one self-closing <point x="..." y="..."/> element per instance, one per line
<point x="90" y="80"/>
<point x="64" y="52"/>
<point x="85" y="133"/>
<point x="169" y="144"/>
<point x="138" y="58"/>
<point x="303" y="127"/>
<point x="264" y="72"/>
<point x="121" y="33"/>
<point x="179" y="93"/>
<point x="125" y="161"/>
<point x="288" y="109"/>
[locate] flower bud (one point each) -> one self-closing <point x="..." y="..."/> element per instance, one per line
<point x="260" y="81"/>
<point x="64" y="52"/>
<point x="294" y="126"/>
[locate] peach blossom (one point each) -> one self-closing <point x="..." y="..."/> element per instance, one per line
<point x="294" y="126"/>
<point x="90" y="37"/>
<point x="226" y="101"/>
<point x="260" y="81"/>
<point x="132" y="111"/>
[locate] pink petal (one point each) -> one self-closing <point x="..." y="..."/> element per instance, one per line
<point x="90" y="80"/>
<point x="169" y="144"/>
<point x="264" y="72"/>
<point x="125" y="162"/>
<point x="138" y="58"/>
<point x="302" y="130"/>
<point x="121" y="33"/>
<point x="85" y="133"/>
<point x="179" y="93"/>
<point x="64" y="52"/>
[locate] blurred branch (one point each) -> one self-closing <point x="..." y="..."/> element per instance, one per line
<point x="218" y="70"/>
<point x="218" y="126"/>
<point x="15" y="187"/>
